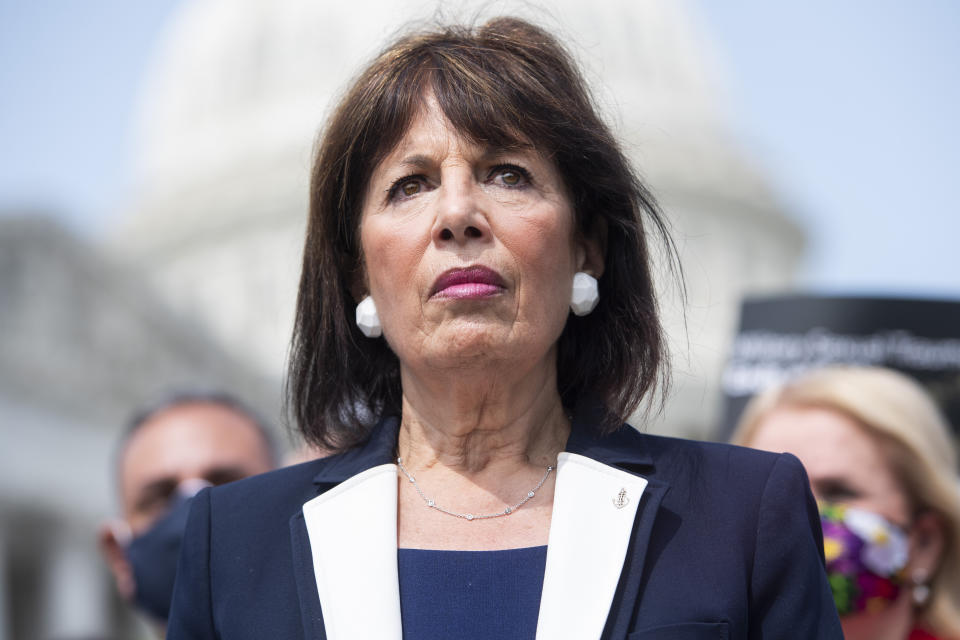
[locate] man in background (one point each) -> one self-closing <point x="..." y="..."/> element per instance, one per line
<point x="168" y="452"/>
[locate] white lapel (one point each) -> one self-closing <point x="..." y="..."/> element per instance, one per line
<point x="589" y="535"/>
<point x="353" y="540"/>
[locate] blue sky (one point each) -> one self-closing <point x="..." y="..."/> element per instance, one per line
<point x="69" y="73"/>
<point x="851" y="108"/>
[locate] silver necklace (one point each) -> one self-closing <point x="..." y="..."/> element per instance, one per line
<point x="473" y="516"/>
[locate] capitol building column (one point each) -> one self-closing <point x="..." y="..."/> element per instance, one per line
<point x="76" y="596"/>
<point x="6" y="620"/>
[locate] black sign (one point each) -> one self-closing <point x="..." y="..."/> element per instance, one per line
<point x="781" y="337"/>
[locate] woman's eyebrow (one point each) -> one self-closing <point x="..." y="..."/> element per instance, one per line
<point x="422" y="162"/>
<point x="835" y="483"/>
<point x="417" y="162"/>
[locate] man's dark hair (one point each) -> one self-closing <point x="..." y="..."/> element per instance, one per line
<point x="504" y="84"/>
<point x="182" y="397"/>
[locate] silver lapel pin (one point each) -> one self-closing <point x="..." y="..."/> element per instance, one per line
<point x="621" y="500"/>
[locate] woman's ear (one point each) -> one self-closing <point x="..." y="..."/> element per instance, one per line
<point x="592" y="248"/>
<point x="927" y="538"/>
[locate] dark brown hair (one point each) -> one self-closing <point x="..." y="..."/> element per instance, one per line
<point x="502" y="84"/>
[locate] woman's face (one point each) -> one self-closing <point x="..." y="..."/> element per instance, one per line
<point x="844" y="462"/>
<point x="846" y="465"/>
<point x="469" y="251"/>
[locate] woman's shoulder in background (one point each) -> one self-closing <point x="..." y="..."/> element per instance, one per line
<point x="717" y="473"/>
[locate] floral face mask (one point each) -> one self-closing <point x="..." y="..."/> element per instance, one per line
<point x="866" y="556"/>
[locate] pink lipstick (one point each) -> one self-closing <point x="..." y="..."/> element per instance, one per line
<point x="469" y="283"/>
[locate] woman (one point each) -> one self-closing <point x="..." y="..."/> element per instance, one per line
<point x="476" y="318"/>
<point x="881" y="463"/>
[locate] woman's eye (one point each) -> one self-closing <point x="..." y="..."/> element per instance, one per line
<point x="405" y="187"/>
<point x="510" y="176"/>
<point x="835" y="491"/>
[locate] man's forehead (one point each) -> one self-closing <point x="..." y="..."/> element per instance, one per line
<point x="187" y="439"/>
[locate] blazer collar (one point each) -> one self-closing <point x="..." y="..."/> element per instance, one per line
<point x="594" y="510"/>
<point x="596" y="550"/>
<point x="352" y="531"/>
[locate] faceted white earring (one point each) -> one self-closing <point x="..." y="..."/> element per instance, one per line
<point x="367" y="318"/>
<point x="585" y="293"/>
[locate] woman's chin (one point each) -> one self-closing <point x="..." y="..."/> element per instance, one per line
<point x="474" y="342"/>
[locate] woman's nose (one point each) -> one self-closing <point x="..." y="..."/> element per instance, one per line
<point x="460" y="217"/>
<point x="469" y="231"/>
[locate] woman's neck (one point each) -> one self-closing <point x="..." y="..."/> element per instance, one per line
<point x="471" y="422"/>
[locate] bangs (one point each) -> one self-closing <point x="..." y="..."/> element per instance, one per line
<point x="484" y="93"/>
<point x="483" y="109"/>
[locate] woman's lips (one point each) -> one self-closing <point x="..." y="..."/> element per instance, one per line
<point x="467" y="283"/>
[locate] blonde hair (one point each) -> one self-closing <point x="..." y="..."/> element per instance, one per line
<point x="897" y="411"/>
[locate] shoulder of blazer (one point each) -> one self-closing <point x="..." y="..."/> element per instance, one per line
<point x="672" y="460"/>
<point x="667" y="458"/>
<point x="254" y="506"/>
<point x="287" y="489"/>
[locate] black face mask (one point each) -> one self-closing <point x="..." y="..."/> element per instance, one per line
<point x="153" y="556"/>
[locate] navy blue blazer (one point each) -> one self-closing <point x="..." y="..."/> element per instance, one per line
<point x="724" y="543"/>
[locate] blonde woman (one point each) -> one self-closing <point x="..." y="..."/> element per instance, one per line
<point x="883" y="468"/>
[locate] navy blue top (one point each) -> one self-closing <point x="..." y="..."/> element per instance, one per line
<point x="726" y="543"/>
<point x="471" y="595"/>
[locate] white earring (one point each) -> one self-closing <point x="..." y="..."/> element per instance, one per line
<point x="367" y="319"/>
<point x="585" y="293"/>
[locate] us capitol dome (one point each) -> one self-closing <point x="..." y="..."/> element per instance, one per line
<point x="237" y="92"/>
